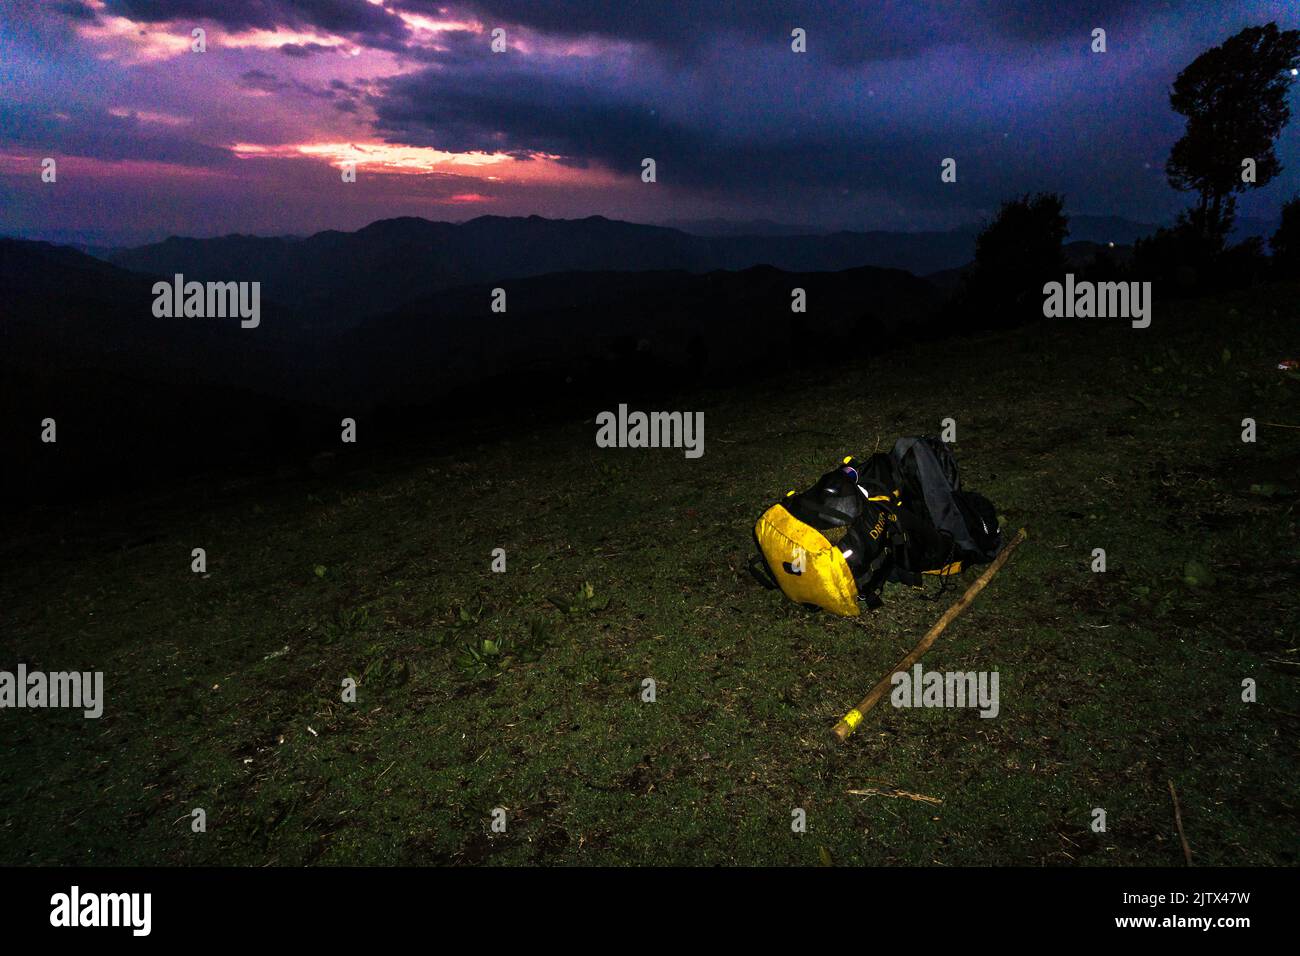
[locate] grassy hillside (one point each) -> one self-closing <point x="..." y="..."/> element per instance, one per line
<point x="223" y="690"/>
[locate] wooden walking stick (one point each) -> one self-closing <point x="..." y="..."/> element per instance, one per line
<point x="854" y="717"/>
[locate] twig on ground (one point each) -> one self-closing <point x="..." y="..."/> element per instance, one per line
<point x="1178" y="820"/>
<point x="873" y="792"/>
<point x="854" y="717"/>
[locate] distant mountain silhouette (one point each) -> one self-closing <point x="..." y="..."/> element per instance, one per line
<point x="1078" y="255"/>
<point x="135" y="399"/>
<point x="1107" y="229"/>
<point x="345" y="276"/>
<point x="339" y="278"/>
<point x="394" y="322"/>
<point x="63" y="309"/>
<point x="742" y="227"/>
<point x="139" y="398"/>
<point x="1084" y="228"/>
<point x="1124" y="232"/>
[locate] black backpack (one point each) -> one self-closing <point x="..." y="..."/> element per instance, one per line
<point x="931" y="486"/>
<point x="890" y="517"/>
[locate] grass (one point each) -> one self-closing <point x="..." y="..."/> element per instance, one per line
<point x="523" y="690"/>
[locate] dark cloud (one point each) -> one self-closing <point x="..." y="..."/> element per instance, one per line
<point x="77" y="10"/>
<point x="702" y="141"/>
<point x="304" y="50"/>
<point x="261" y="81"/>
<point x="844" y="31"/>
<point x="358" y="20"/>
<point x="99" y="134"/>
<point x="516" y="110"/>
<point x="519" y="112"/>
<point x="29" y="22"/>
<point x="1037" y="20"/>
<point x="710" y="90"/>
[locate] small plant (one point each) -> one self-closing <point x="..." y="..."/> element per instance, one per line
<point x="461" y="619"/>
<point x="538" y="633"/>
<point x="584" y="602"/>
<point x="355" y="619"/>
<point x="477" y="656"/>
<point x="383" y="671"/>
<point x="1197" y="574"/>
<point x="347" y="622"/>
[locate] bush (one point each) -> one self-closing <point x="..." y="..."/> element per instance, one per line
<point x="1192" y="258"/>
<point x="1015" y="255"/>
<point x="1286" y="241"/>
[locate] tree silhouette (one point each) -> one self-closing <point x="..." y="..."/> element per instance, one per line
<point x="1234" y="98"/>
<point x="1286" y="241"/>
<point x="1015" y="254"/>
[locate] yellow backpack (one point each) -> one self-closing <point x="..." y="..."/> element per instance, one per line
<point x="835" y="545"/>
<point x="826" y="547"/>
<point x="804" y="564"/>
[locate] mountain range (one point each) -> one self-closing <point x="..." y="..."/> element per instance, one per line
<point x="344" y="277"/>
<point x="388" y="330"/>
<point x="399" y="316"/>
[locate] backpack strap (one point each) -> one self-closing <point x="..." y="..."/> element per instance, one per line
<point x="758" y="566"/>
<point x="887" y="562"/>
<point x="761" y="572"/>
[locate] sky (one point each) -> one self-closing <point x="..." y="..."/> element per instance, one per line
<point x="151" y="138"/>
